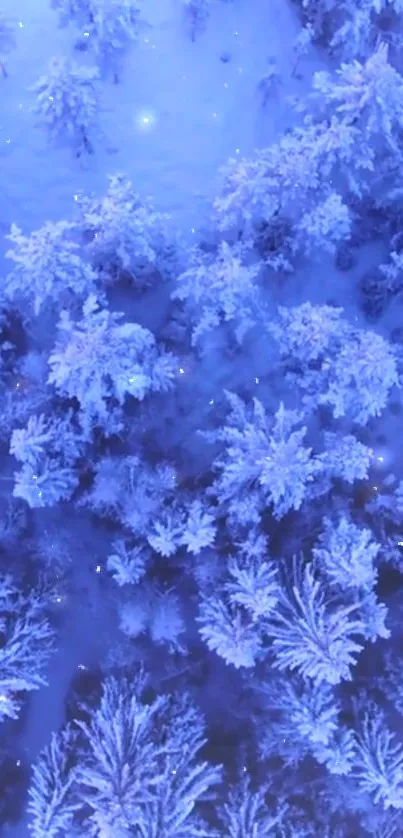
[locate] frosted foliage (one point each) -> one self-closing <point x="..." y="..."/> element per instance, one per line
<point x="127" y="564"/>
<point x="229" y="631"/>
<point x="52" y="803"/>
<point x="111" y="29"/>
<point x="373" y="614"/>
<point x="165" y="535"/>
<point x="98" y="359"/>
<point x="247" y="815"/>
<point x="199" y="529"/>
<point x="219" y="290"/>
<point x="47" y="266"/>
<point x="346" y="457"/>
<point x="26" y="642"/>
<point x="360" y="377"/>
<point x="121" y="231"/>
<point x="122" y="758"/>
<point x="324" y="227"/>
<point x="347" y="554"/>
<point x="143" y="760"/>
<point x="253" y="585"/>
<point x="379" y="762"/>
<point x="290" y="176"/>
<point x="52" y="484"/>
<point x="166" y="621"/>
<point x="67" y="103"/>
<point x="304" y="333"/>
<point x="312" y="709"/>
<point x="368" y="95"/>
<point x="132" y="491"/>
<point x="265" y="452"/>
<point x="313" y="636"/>
<point x="48" y="448"/>
<point x="338" y="754"/>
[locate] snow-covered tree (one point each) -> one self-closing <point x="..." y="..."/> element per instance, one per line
<point x="48" y="267"/>
<point x="142" y="759"/>
<point x="324" y="227"/>
<point x="52" y="799"/>
<point x="48" y="449"/>
<point x="199" y="530"/>
<point x="127" y="564"/>
<point x="304" y="333"/>
<point x="265" y="456"/>
<point x="360" y="376"/>
<point x="196" y="13"/>
<point x="246" y="814"/>
<point x="7" y="41"/>
<point x="112" y="28"/>
<point x="367" y="95"/>
<point x="26" y="643"/>
<point x="291" y="177"/>
<point x="347" y="554"/>
<point x="132" y="491"/>
<point x="253" y="585"/>
<point x="378" y="764"/>
<point x="98" y="359"/>
<point x="346" y="458"/>
<point x="220" y="289"/>
<point x="67" y="104"/>
<point x="229" y="631"/>
<point x="349" y="369"/>
<point x="122" y="232"/>
<point x="313" y="635"/>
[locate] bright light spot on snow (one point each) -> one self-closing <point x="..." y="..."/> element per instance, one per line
<point x="98" y="568"/>
<point x="226" y="84"/>
<point x="237" y="150"/>
<point x="211" y="401"/>
<point x="400" y="543"/>
<point x="173" y="771"/>
<point x="75" y="197"/>
<point x="181" y="370"/>
<point x="86" y="34"/>
<point x="58" y="599"/>
<point x="146" y="40"/>
<point x="236" y="33"/>
<point x="380" y="459"/>
<point x="375" y="488"/>
<point x="34" y="477"/>
<point x="145" y="120"/>
<point x="50" y="98"/>
<point x="20" y="24"/>
<point x="8" y="141"/>
<point x="215" y="114"/>
<point x="18" y="763"/>
<point x="257" y="380"/>
<point x="192" y="230"/>
<point x="3" y="698"/>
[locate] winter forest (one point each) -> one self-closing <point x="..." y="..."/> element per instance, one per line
<point x="201" y="360"/>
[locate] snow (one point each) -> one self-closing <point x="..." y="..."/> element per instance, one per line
<point x="170" y="125"/>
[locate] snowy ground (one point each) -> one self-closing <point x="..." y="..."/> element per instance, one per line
<point x="178" y="115"/>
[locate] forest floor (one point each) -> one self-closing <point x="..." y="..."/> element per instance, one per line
<point x="181" y="110"/>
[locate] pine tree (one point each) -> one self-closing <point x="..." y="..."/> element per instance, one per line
<point x="26" y="643"/>
<point x="98" y="359"/>
<point x="48" y="266"/>
<point x="67" y="104"/>
<point x="52" y="799"/>
<point x="311" y="634"/>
